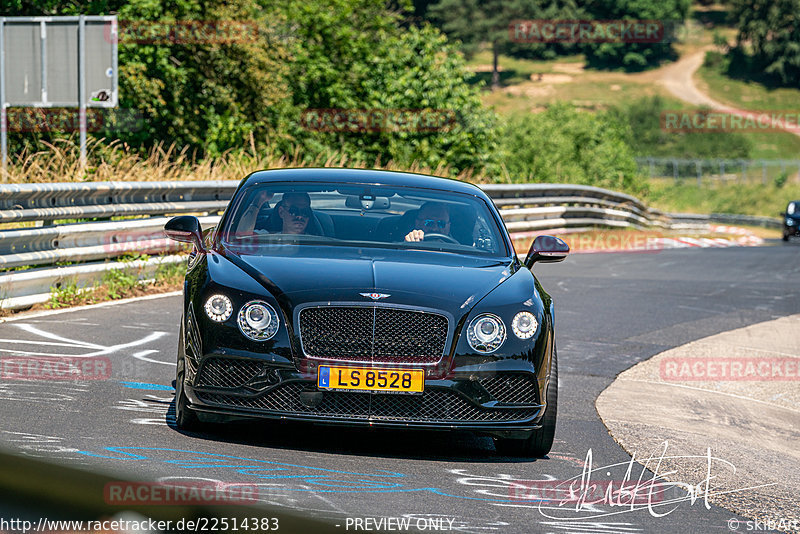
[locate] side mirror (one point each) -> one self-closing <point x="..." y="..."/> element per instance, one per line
<point x="185" y="229"/>
<point x="546" y="249"/>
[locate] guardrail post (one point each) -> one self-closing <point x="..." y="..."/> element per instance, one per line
<point x="3" y="116"/>
<point x="675" y="170"/>
<point x="82" y="88"/>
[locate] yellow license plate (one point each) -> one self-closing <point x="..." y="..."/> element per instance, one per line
<point x="367" y="379"/>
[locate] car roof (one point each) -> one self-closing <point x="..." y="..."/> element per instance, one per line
<point x="363" y="176"/>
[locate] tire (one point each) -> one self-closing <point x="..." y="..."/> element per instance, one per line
<point x="185" y="418"/>
<point x="785" y="236"/>
<point x="541" y="441"/>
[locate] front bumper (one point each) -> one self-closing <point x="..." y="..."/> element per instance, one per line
<point x="492" y="400"/>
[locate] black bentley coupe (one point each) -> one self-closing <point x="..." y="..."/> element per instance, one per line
<point x="363" y="297"/>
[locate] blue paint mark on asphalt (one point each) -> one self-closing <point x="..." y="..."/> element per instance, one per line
<point x="316" y="479"/>
<point x="145" y="385"/>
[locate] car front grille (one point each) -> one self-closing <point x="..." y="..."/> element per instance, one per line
<point x="433" y="406"/>
<point x="228" y="372"/>
<point x="373" y="334"/>
<point x="512" y="388"/>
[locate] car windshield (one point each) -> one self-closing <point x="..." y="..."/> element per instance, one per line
<point x="270" y="214"/>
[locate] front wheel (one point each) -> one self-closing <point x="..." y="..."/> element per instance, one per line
<point x="541" y="441"/>
<point x="185" y="418"/>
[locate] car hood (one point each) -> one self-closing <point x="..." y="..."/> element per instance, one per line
<point x="439" y="280"/>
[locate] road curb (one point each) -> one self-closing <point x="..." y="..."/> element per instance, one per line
<point x="753" y="424"/>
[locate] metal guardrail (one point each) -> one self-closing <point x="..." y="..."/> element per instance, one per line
<point x="524" y="207"/>
<point x="726" y="218"/>
<point x="719" y="169"/>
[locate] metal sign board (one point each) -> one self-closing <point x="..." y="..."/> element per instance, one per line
<point x="43" y="61"/>
<point x="57" y="62"/>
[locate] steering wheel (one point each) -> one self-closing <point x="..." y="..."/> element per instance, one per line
<point x="441" y="237"/>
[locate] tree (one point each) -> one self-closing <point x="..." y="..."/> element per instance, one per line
<point x="773" y="30"/>
<point x="352" y="55"/>
<point x="475" y="22"/>
<point x="210" y="93"/>
<point x="636" y="55"/>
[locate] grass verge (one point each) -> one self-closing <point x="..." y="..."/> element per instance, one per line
<point x="744" y="199"/>
<point x="118" y="284"/>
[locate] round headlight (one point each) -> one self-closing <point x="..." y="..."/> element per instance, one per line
<point x="258" y="320"/>
<point x="486" y="333"/>
<point x="219" y="308"/>
<point x="524" y="325"/>
<point x="789" y="221"/>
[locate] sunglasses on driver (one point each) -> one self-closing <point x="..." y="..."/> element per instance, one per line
<point x="431" y="223"/>
<point x="296" y="211"/>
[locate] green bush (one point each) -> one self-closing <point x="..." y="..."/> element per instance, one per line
<point x="647" y="138"/>
<point x="563" y="144"/>
<point x="119" y="283"/>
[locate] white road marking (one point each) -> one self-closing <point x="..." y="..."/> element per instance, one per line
<point x="41" y="333"/>
<point x="142" y="355"/>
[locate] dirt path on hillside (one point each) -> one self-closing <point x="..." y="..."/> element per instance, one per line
<point x="678" y="79"/>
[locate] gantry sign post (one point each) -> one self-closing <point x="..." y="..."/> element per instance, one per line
<point x="57" y="62"/>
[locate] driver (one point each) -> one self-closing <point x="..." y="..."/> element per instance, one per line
<point x="291" y="215"/>
<point x="295" y="213"/>
<point x="433" y="218"/>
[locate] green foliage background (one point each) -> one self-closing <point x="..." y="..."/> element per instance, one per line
<point x="212" y="99"/>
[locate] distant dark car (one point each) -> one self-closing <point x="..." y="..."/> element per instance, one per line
<point x="370" y="298"/>
<point x="791" y="220"/>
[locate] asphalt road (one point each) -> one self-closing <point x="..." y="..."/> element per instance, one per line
<point x="612" y="310"/>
